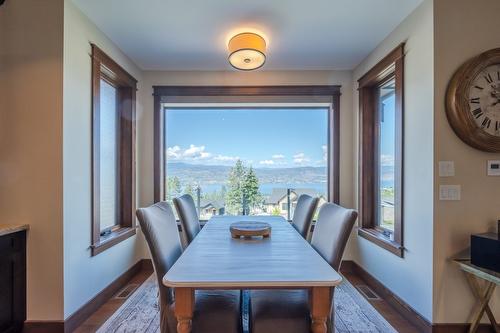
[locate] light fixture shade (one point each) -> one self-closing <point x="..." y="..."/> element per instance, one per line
<point x="247" y="51"/>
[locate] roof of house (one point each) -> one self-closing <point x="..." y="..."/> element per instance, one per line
<point x="217" y="204"/>
<point x="279" y="193"/>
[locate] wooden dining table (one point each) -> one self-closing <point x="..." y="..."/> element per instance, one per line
<point x="285" y="260"/>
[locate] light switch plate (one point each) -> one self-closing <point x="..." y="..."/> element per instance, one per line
<point x="449" y="192"/>
<point x="493" y="168"/>
<point x="446" y="168"/>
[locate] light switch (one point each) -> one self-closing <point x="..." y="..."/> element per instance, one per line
<point x="449" y="192"/>
<point x="446" y="168"/>
<point x="493" y="168"/>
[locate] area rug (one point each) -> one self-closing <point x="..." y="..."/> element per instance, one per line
<point x="140" y="313"/>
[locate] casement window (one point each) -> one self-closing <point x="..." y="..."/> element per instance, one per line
<point x="381" y="153"/>
<point x="113" y="152"/>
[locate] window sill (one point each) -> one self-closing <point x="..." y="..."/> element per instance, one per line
<point x="377" y="237"/>
<point x="112" y="239"/>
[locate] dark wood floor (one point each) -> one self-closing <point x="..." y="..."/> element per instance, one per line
<point x="105" y="311"/>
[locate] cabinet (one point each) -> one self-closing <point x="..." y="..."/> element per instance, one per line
<point x="12" y="281"/>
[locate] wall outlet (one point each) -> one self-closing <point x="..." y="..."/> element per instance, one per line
<point x="449" y="192"/>
<point x="446" y="168"/>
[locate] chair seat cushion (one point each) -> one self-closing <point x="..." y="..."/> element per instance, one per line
<point x="274" y="311"/>
<point x="216" y="311"/>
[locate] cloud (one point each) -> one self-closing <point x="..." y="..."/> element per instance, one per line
<point x="300" y="158"/>
<point x="197" y="153"/>
<point x="325" y="152"/>
<point x="267" y="162"/>
<point x="278" y="157"/>
<point x="226" y="158"/>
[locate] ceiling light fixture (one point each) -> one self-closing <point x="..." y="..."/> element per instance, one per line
<point x="247" y="51"/>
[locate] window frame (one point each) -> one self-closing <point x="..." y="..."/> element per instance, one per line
<point x="162" y="94"/>
<point x="390" y="67"/>
<point x="104" y="68"/>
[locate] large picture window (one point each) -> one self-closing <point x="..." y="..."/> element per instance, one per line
<point x="246" y="161"/>
<point x="246" y="150"/>
<point x="113" y="152"/>
<point x="381" y="153"/>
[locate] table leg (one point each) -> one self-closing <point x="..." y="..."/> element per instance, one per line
<point x="184" y="305"/>
<point x="321" y="300"/>
<point x="483" y="297"/>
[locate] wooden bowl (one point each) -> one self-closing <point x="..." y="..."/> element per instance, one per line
<point x="250" y="229"/>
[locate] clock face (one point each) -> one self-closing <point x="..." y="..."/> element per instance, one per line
<point x="484" y="99"/>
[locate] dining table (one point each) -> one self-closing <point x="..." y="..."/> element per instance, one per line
<point x="284" y="260"/>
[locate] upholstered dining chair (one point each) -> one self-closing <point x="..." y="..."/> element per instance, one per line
<point x="274" y="311"/>
<point x="303" y="214"/>
<point x="186" y="210"/>
<point x="214" y="311"/>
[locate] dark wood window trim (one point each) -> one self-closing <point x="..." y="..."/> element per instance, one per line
<point x="388" y="68"/>
<point x="163" y="93"/>
<point x="103" y="67"/>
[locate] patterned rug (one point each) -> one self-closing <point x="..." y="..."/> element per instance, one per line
<point x="140" y="313"/>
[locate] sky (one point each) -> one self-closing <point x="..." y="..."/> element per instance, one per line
<point x="272" y="138"/>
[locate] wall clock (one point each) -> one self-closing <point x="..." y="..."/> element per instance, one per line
<point x="473" y="101"/>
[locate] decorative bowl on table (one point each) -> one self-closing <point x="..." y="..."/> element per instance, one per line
<point x="248" y="229"/>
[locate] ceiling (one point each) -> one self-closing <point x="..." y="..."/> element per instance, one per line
<point x="193" y="34"/>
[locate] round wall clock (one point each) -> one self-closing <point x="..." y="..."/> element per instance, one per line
<point x="473" y="101"/>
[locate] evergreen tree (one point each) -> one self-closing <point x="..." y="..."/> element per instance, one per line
<point x="189" y="189"/>
<point x="234" y="194"/>
<point x="173" y="187"/>
<point x="250" y="189"/>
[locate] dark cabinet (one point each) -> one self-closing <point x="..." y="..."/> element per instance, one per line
<point x="12" y="282"/>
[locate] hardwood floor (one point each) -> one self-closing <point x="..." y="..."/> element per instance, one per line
<point x="384" y="308"/>
<point x="104" y="312"/>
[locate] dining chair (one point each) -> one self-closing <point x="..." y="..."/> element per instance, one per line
<point x="288" y="310"/>
<point x="186" y="210"/>
<point x="303" y="214"/>
<point x="214" y="311"/>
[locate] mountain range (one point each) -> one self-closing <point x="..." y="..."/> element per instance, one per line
<point x="218" y="174"/>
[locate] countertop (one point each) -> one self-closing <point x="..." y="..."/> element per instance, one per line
<point x="6" y="229"/>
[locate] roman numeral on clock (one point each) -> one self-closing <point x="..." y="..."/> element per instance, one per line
<point x="475" y="100"/>
<point x="486" y="123"/>
<point x="488" y="78"/>
<point x="477" y="113"/>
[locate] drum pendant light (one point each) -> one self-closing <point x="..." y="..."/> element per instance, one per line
<point x="247" y="51"/>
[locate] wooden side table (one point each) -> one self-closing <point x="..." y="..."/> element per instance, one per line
<point x="482" y="293"/>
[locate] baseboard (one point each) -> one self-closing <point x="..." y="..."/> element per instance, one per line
<point x="80" y="315"/>
<point x="405" y="310"/>
<point x="43" y="327"/>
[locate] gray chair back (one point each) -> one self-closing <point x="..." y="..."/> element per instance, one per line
<point x="188" y="216"/>
<point x="303" y="214"/>
<point x="331" y="232"/>
<point x="160" y="230"/>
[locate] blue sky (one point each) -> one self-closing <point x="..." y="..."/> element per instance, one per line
<point x="259" y="137"/>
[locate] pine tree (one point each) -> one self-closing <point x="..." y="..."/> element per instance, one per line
<point x="189" y="189"/>
<point x="251" y="194"/>
<point x="234" y="194"/>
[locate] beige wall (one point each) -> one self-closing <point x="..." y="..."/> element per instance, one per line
<point x="31" y="133"/>
<point x="145" y="119"/>
<point x="410" y="277"/>
<point x="463" y="29"/>
<point x="85" y="276"/>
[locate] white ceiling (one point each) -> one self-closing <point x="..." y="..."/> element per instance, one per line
<point x="193" y="34"/>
